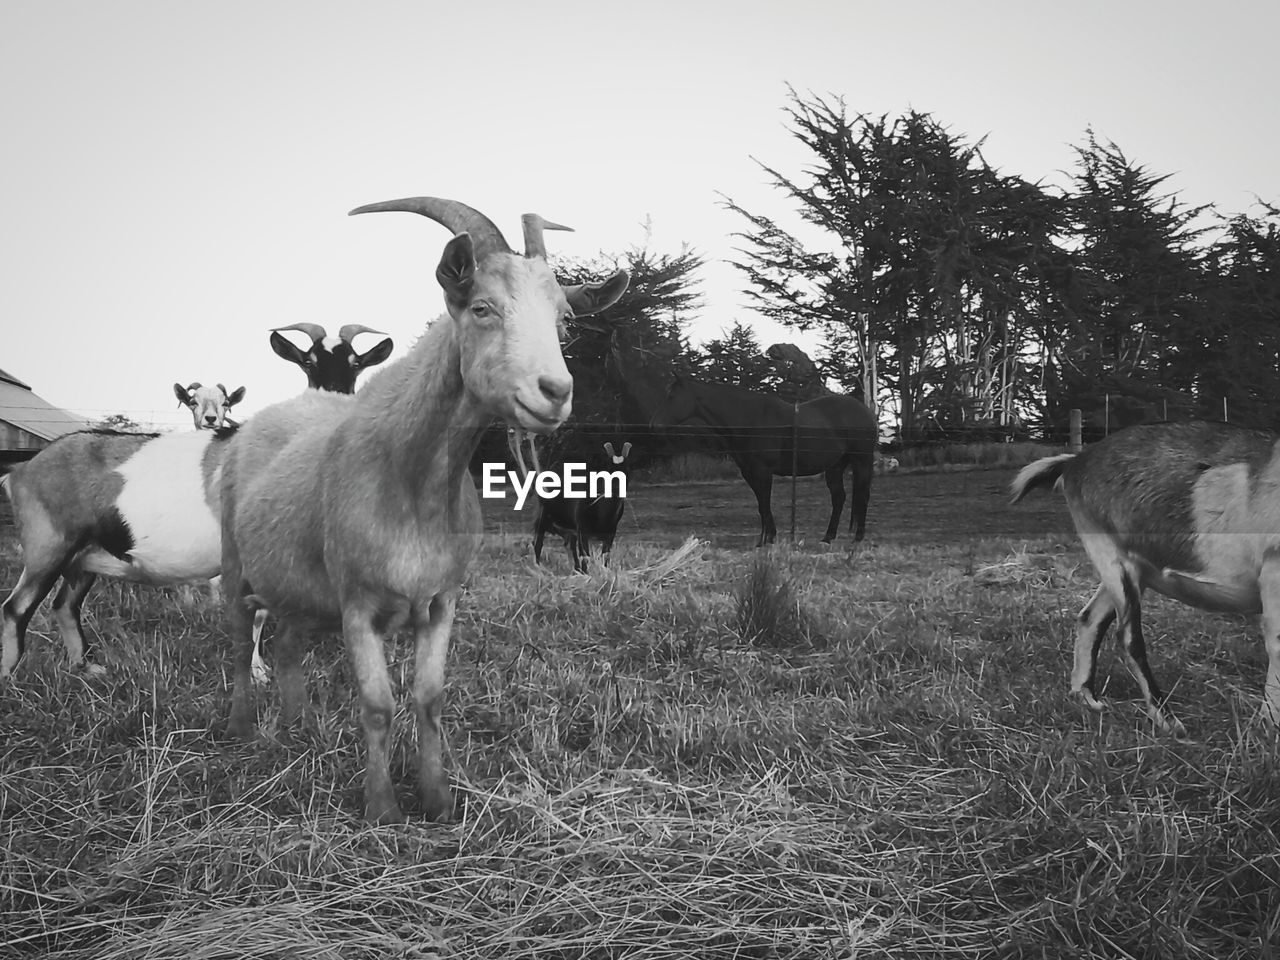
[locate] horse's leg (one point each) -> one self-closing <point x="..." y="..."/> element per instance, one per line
<point x="835" y="484"/>
<point x="863" y="470"/>
<point x="761" y="483"/>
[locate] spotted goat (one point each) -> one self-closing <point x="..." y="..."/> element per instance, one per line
<point x="1191" y="510"/>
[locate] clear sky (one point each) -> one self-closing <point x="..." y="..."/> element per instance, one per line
<point x="176" y="176"/>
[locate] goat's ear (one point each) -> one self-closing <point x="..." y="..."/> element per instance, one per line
<point x="286" y="350"/>
<point x="588" y="298"/>
<point x="235" y="396"/>
<point x="184" y="398"/>
<point x="373" y="356"/>
<point x="457" y="269"/>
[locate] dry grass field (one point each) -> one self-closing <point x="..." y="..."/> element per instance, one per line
<point x="699" y="752"/>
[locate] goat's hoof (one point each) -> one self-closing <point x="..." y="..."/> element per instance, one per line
<point x="1170" y="725"/>
<point x="1087" y="698"/>
<point x="87" y="668"/>
<point x="438" y="804"/>
<point x="239" y="728"/>
<point x="1270" y="713"/>
<point x="261" y="675"/>
<point x="383" y="812"/>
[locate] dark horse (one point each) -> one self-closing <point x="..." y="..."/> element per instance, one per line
<point x="833" y="432"/>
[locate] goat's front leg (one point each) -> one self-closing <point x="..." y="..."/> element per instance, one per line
<point x="377" y="707"/>
<point x="432" y="628"/>
<point x="1269" y="586"/>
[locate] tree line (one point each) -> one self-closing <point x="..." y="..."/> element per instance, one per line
<point x="962" y="301"/>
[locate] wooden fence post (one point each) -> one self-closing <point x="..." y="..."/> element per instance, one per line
<point x="1076" y="419"/>
<point x="795" y="465"/>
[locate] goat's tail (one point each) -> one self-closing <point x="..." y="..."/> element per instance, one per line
<point x="1042" y="473"/>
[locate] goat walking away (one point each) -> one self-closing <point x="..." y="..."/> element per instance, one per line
<point x="580" y="520"/>
<point x="1191" y="510"/>
<point x="359" y="512"/>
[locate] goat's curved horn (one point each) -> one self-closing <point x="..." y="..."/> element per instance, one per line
<point x="194" y="386"/>
<point x="533" y="227"/>
<point x="312" y="330"/>
<point x="225" y="391"/>
<point x="458" y="217"/>
<point x="351" y="330"/>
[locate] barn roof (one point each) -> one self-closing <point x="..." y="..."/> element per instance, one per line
<point x="27" y="410"/>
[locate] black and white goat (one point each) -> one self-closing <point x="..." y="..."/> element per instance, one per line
<point x="140" y="507"/>
<point x="580" y="520"/>
<point x="359" y="512"/>
<point x="331" y="363"/>
<point x="208" y="405"/>
<point x="1191" y="510"/>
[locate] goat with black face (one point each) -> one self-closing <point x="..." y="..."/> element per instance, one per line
<point x="580" y="520"/>
<point x="331" y="363"/>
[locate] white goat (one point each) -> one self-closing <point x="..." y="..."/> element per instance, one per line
<point x="208" y="405"/>
<point x="1191" y="510"/>
<point x="360" y="512"/>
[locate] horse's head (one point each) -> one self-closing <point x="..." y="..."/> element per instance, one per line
<point x="679" y="404"/>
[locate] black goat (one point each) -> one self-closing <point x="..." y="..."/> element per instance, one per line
<point x="581" y="520"/>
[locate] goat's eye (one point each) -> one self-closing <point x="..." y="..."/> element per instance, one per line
<point x="481" y="309"/>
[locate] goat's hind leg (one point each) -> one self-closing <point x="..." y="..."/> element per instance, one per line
<point x="239" y="627"/>
<point x="66" y="611"/>
<point x="290" y="643"/>
<point x="1133" y="645"/>
<point x="261" y="672"/>
<point x="38" y="576"/>
<point x="1091" y="626"/>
